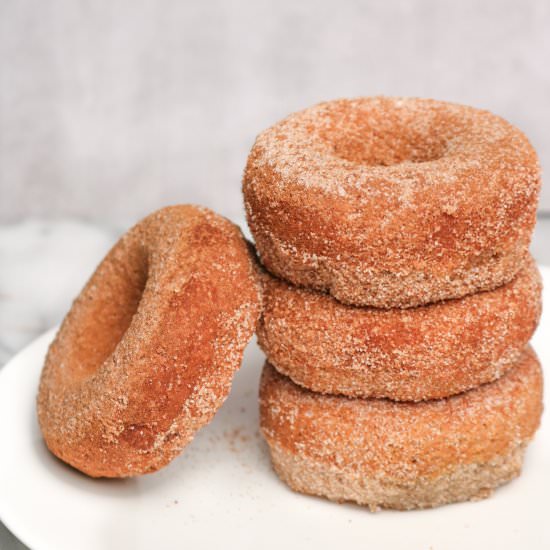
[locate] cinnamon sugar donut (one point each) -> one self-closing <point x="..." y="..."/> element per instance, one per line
<point x="146" y="354"/>
<point x="392" y="202"/>
<point x="403" y="354"/>
<point x="381" y="453"/>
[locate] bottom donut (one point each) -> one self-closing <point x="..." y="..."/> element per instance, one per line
<point x="385" y="454"/>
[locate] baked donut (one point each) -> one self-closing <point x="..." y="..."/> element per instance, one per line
<point x="392" y="202"/>
<point x="146" y="354"/>
<point x="382" y="453"/>
<point x="404" y="354"/>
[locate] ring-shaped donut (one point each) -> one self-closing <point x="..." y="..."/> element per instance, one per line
<point x="382" y="453"/>
<point x="392" y="202"/>
<point x="146" y="354"/>
<point x="403" y="354"/>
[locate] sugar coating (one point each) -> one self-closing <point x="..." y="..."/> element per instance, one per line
<point x="411" y="354"/>
<point x="465" y="482"/>
<point x="382" y="453"/>
<point x="146" y="354"/>
<point x="392" y="202"/>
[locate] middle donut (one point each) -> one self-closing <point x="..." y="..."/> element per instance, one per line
<point x="426" y="352"/>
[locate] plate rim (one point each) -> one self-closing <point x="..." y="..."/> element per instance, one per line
<point x="5" y="518"/>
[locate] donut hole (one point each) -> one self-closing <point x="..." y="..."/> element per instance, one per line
<point x="107" y="312"/>
<point x="373" y="149"/>
<point x="385" y="137"/>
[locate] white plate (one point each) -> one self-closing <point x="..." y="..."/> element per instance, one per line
<point x="221" y="492"/>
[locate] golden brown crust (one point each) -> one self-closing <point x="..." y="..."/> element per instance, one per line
<point x="402" y="455"/>
<point x="404" y="354"/>
<point x="392" y="202"/>
<point x="146" y="354"/>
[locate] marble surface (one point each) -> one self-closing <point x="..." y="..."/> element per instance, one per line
<point x="45" y="263"/>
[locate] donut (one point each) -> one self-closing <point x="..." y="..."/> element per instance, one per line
<point x="392" y="202"/>
<point x="386" y="454"/>
<point x="411" y="354"/>
<point x="147" y="352"/>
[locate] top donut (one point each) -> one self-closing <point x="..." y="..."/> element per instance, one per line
<point x="392" y="202"/>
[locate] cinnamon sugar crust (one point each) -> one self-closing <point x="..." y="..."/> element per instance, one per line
<point x="382" y="453"/>
<point x="411" y="354"/>
<point x="392" y="202"/>
<point x="465" y="482"/>
<point x="147" y="353"/>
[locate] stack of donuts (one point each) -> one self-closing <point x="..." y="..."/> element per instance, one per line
<point x="395" y="310"/>
<point x="399" y="298"/>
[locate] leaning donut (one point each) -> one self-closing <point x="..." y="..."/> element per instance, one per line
<point x="148" y="350"/>
<point x="403" y="354"/>
<point x="386" y="454"/>
<point x="392" y="202"/>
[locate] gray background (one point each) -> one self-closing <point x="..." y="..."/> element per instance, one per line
<point x="111" y="109"/>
